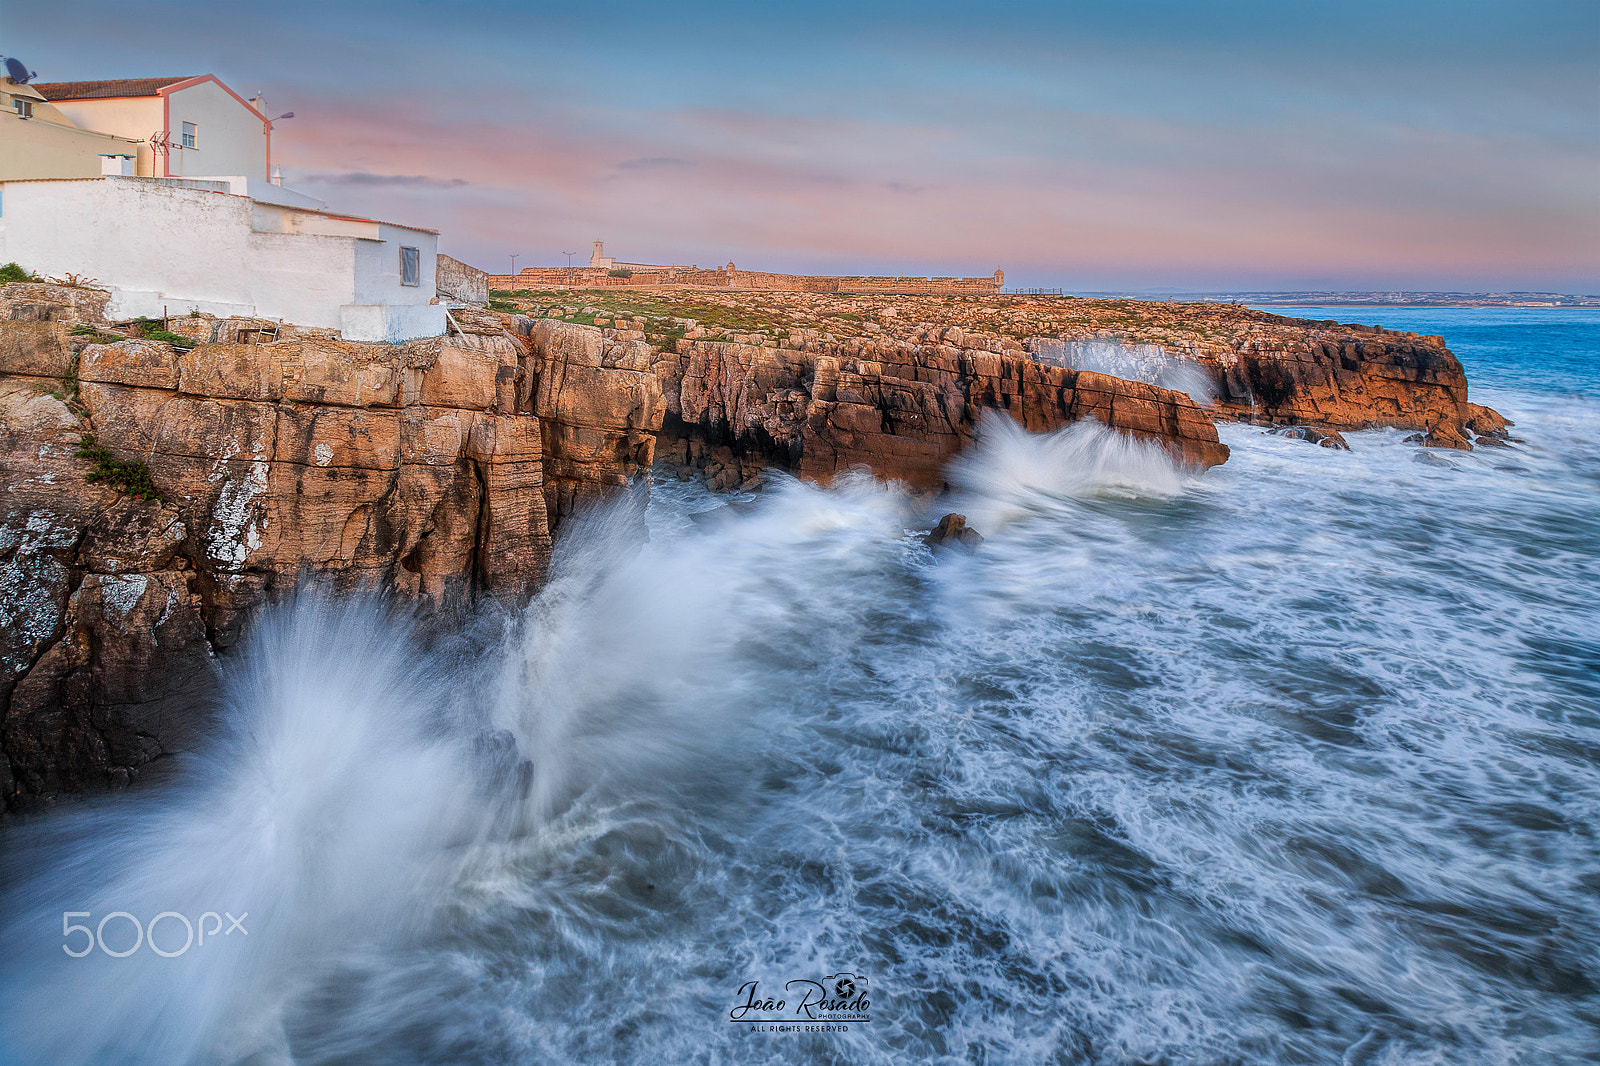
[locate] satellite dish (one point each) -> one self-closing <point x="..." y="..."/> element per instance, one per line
<point x="17" y="72"/>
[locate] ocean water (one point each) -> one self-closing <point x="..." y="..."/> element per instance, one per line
<point x="1294" y="761"/>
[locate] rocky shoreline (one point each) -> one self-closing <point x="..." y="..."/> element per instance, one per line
<point x="153" y="494"/>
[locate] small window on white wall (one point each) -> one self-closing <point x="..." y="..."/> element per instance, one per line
<point x="188" y="134"/>
<point x="410" y="266"/>
<point x="23" y="105"/>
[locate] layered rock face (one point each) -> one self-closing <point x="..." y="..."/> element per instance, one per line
<point x="819" y="407"/>
<point x="1341" y="378"/>
<point x="599" y="404"/>
<point x="418" y="468"/>
<point x="1264" y="367"/>
<point x="151" y="497"/>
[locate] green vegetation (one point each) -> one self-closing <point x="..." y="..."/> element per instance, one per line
<point x="619" y="273"/>
<point x="152" y="329"/>
<point x="96" y="336"/>
<point x="631" y="303"/>
<point x="505" y="306"/>
<point x="11" y="273"/>
<point x="130" y="477"/>
<point x="68" y="392"/>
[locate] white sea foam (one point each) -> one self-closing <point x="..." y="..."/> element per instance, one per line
<point x="1011" y="473"/>
<point x="1148" y="363"/>
<point x="1286" y="762"/>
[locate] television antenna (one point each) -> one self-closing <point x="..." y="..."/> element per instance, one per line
<point x="569" y="256"/>
<point x="18" y="72"/>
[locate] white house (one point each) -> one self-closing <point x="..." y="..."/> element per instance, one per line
<point x="189" y="126"/>
<point x="171" y="245"/>
<point x="183" y="215"/>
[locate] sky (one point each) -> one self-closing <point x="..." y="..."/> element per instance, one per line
<point x="1131" y="145"/>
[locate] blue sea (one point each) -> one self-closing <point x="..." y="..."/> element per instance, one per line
<point x="1295" y="761"/>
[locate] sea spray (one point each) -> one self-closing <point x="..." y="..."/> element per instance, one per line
<point x="1010" y="473"/>
<point x="1148" y="363"/>
<point x="1284" y="762"/>
<point x="315" y="819"/>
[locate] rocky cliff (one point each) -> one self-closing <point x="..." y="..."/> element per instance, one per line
<point x="1263" y="367"/>
<point x="152" y="494"/>
<point x="817" y="407"/>
<point x="150" y="497"/>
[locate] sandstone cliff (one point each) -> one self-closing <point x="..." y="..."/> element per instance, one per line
<point x="151" y="496"/>
<point x="1263" y="367"/>
<point x="819" y="407"/>
<point x="418" y="468"/>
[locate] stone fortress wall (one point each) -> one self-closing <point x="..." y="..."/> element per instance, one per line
<point x="604" y="272"/>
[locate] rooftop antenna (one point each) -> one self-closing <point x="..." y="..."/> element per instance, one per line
<point x="17" y="72"/>
<point x="569" y="256"/>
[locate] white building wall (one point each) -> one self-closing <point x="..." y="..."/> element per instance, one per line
<point x="258" y="188"/>
<point x="165" y="247"/>
<point x="229" y="137"/>
<point x="133" y="117"/>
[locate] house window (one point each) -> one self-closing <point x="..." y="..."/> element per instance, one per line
<point x="410" y="266"/>
<point x="188" y="134"/>
<point x="23" y="105"/>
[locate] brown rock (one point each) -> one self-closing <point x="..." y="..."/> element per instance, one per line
<point x="599" y="405"/>
<point x="1487" y="422"/>
<point x="953" y="530"/>
<point x="902" y="410"/>
<point x="1326" y="438"/>
<point x="131" y="362"/>
<point x="419" y="468"/>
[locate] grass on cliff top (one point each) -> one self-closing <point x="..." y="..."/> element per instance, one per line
<point x="150" y="330"/>
<point x="628" y="304"/>
<point x="1018" y="316"/>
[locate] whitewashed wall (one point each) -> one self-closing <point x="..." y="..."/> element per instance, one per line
<point x="229" y="138"/>
<point x="169" y="247"/>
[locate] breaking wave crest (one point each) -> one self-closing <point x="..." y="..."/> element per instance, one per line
<point x="1148" y="363"/>
<point x="1168" y="769"/>
<point x="1011" y="473"/>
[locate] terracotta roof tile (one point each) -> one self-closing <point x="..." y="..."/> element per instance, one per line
<point x="105" y="90"/>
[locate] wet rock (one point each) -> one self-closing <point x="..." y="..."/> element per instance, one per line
<point x="1344" y="377"/>
<point x="419" y="468"/>
<point x="1487" y="422"/>
<point x="1447" y="435"/>
<point x="901" y="409"/>
<point x="1428" y="458"/>
<point x="953" y="530"/>
<point x="1326" y="438"/>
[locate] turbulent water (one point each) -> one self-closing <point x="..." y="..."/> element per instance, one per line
<point x="1295" y="761"/>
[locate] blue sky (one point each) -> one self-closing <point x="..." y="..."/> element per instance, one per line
<point x="1094" y="146"/>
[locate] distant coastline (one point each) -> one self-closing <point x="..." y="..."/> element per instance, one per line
<point x="1365" y="299"/>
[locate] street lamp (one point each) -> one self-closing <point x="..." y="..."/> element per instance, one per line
<point x="514" y="259"/>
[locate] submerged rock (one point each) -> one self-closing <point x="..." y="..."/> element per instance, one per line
<point x="953" y="530"/>
<point x="1325" y="438"/>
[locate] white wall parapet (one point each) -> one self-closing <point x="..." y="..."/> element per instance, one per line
<point x="172" y="245"/>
